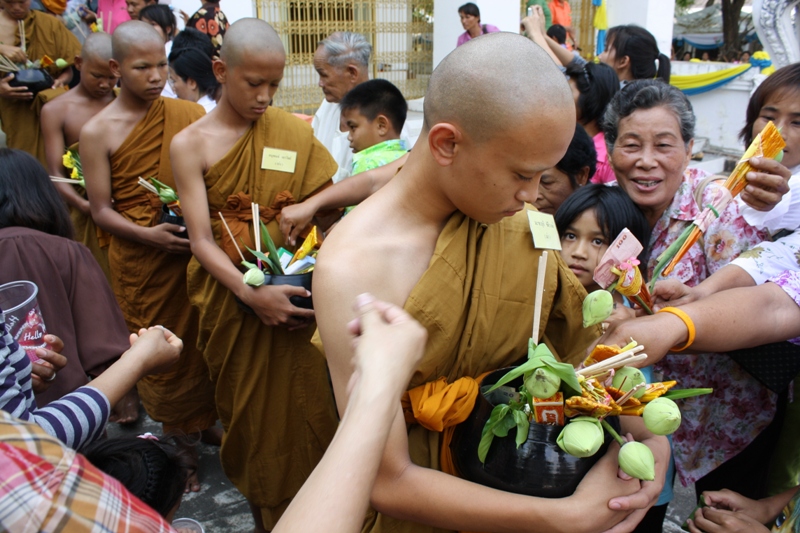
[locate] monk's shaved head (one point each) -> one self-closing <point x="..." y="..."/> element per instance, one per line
<point x="133" y="34"/>
<point x="249" y="36"/>
<point x="494" y="82"/>
<point x="97" y="47"/>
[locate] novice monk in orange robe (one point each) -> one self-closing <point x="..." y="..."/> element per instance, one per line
<point x="130" y="138"/>
<point x="44" y="35"/>
<point x="62" y="120"/>
<point x="272" y="389"/>
<point x="446" y="239"/>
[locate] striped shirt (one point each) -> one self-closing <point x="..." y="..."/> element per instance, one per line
<point x="46" y="487"/>
<point x="75" y="419"/>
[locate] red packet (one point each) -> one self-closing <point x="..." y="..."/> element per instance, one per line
<point x="622" y="249"/>
<point x="549" y="411"/>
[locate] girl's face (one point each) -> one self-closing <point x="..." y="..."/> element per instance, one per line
<point x="783" y="108"/>
<point x="185" y="90"/>
<point x="158" y="28"/>
<point x="582" y="246"/>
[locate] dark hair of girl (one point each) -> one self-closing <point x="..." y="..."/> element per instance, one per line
<point x="597" y="84"/>
<point x="784" y="79"/>
<point x="193" y="38"/>
<point x="191" y="63"/>
<point x="614" y="210"/>
<point x="154" y="471"/>
<point x="470" y="9"/>
<point x="641" y="48"/>
<point x="161" y="15"/>
<point x="28" y="198"/>
<point x="580" y="154"/>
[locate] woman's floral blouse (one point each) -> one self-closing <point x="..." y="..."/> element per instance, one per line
<point x="717" y="426"/>
<point x="210" y="20"/>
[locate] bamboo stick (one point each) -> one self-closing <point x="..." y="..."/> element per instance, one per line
<point x="148" y="186"/>
<point x="537" y="305"/>
<point x="22" y="39"/>
<point x="230" y="233"/>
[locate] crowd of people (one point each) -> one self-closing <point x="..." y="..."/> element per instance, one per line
<point x="426" y="272"/>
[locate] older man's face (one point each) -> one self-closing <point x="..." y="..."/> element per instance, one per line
<point x="335" y="82"/>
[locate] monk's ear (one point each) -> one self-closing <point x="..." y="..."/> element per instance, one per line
<point x="113" y="64"/>
<point x="78" y="62"/>
<point x="443" y="139"/>
<point x="220" y="70"/>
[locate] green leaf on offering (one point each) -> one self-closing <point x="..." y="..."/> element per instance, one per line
<point x="487" y="435"/>
<point x="248" y="265"/>
<point x="566" y="372"/>
<point x="273" y="251"/>
<point x="165" y="193"/>
<point x="667" y="255"/>
<point x="523" y="425"/>
<point x="529" y="366"/>
<point x="259" y="255"/>
<point x="505" y="424"/>
<point x="686" y="393"/>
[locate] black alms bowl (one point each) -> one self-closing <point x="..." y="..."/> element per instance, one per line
<point x="538" y="468"/>
<point x="296" y="280"/>
<point x="168" y="218"/>
<point x="34" y="79"/>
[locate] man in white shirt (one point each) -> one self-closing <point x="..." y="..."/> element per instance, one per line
<point x="342" y="62"/>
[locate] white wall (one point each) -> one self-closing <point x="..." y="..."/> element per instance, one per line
<point x="654" y="15"/>
<point x="447" y="25"/>
<point x="233" y="9"/>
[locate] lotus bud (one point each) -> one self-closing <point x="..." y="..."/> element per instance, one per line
<point x="60" y="63"/>
<point x="597" y="307"/>
<point x="254" y="277"/>
<point x="662" y="416"/>
<point x="582" y="437"/>
<point x="636" y="460"/>
<point x="542" y="383"/>
<point x="626" y="378"/>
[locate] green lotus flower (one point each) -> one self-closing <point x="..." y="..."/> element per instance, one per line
<point x="626" y="378"/>
<point x="542" y="383"/>
<point x="582" y="437"/>
<point x="254" y="277"/>
<point x="662" y="416"/>
<point x="597" y="307"/>
<point x="636" y="460"/>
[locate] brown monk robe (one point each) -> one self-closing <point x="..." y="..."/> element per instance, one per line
<point x="272" y="391"/>
<point x="150" y="285"/>
<point x="44" y="35"/>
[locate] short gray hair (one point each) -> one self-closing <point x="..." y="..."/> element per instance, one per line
<point x="647" y="94"/>
<point x="345" y="47"/>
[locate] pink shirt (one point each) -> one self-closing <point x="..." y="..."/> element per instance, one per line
<point x="487" y="28"/>
<point x="113" y="13"/>
<point x="603" y="173"/>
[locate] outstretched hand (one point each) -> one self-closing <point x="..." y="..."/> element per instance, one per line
<point x="766" y="185"/>
<point x="44" y="373"/>
<point x="709" y="520"/>
<point x="156" y="349"/>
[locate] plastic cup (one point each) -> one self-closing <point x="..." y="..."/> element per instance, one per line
<point x="23" y="318"/>
<point x="188" y="524"/>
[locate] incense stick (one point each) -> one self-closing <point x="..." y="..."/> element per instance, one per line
<point x="618" y="360"/>
<point x="148" y="186"/>
<point x="23" y="45"/>
<point x="256" y="232"/>
<point x="537" y="306"/>
<point x="230" y="233"/>
<point x="58" y="179"/>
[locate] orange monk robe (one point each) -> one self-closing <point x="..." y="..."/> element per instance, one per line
<point x="273" y="395"/>
<point x="150" y="285"/>
<point x="87" y="232"/>
<point x="476" y="301"/>
<point x="44" y="35"/>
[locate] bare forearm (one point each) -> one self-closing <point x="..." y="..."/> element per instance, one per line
<point x="71" y="197"/>
<point x="728" y="277"/>
<point x="563" y="55"/>
<point x="219" y="265"/>
<point x="116" y="381"/>
<point x="114" y="223"/>
<point x="775" y="504"/>
<point x="351" y="191"/>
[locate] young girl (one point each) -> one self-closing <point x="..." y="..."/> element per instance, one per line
<point x="152" y="469"/>
<point x="192" y="78"/>
<point x="588" y="222"/>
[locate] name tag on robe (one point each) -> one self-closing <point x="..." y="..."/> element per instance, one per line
<point x="280" y="160"/>
<point x="544" y="231"/>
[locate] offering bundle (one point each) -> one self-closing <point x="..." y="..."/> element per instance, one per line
<point x="30" y="74"/>
<point x="71" y="161"/>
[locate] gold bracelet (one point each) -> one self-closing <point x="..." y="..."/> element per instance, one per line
<point x="687" y="322"/>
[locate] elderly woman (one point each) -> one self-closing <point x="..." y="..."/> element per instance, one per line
<point x="649" y="129"/>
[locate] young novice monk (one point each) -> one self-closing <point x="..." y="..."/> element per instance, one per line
<point x="272" y="387"/>
<point x="128" y="139"/>
<point x="62" y="120"/>
<point x="448" y="239"/>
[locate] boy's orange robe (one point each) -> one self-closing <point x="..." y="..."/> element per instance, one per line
<point x="476" y="302"/>
<point x="150" y="285"/>
<point x="272" y="390"/>
<point x="44" y="35"/>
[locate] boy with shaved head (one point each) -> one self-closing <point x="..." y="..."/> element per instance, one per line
<point x="130" y="138"/>
<point x="272" y="388"/>
<point x="448" y="238"/>
<point x="62" y="119"/>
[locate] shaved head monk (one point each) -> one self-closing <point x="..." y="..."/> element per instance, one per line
<point x="44" y="34"/>
<point x="272" y="387"/>
<point x="130" y="138"/>
<point x="448" y="239"/>
<point x="62" y="119"/>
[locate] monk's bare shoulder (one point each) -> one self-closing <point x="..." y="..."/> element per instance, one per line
<point x="207" y="139"/>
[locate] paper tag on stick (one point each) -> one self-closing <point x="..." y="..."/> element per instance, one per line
<point x="280" y="160"/>
<point x="544" y="231"/>
<point x="623" y="248"/>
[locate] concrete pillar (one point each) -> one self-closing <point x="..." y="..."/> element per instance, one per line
<point x="447" y="26"/>
<point x="656" y="16"/>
